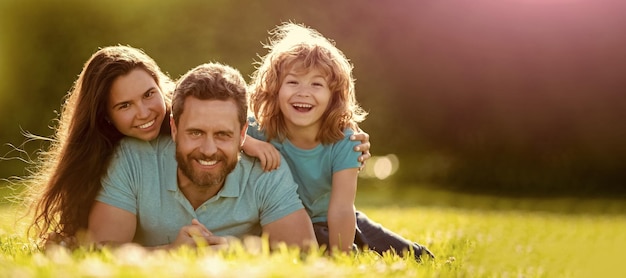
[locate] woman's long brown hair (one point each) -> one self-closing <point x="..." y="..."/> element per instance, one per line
<point x="68" y="176"/>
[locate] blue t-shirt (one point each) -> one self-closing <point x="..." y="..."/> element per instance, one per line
<point x="142" y="179"/>
<point x="313" y="169"/>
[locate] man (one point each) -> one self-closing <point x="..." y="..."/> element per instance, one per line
<point x="197" y="184"/>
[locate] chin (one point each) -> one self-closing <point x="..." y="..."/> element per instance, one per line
<point x="148" y="137"/>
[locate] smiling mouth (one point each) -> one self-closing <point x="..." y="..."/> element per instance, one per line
<point x="206" y="162"/>
<point x="147" y="125"/>
<point x="302" y="107"/>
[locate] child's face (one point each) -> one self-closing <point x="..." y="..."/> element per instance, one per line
<point x="303" y="98"/>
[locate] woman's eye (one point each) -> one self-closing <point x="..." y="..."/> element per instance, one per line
<point x="149" y="94"/>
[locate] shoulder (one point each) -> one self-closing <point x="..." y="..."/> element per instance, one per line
<point x="343" y="154"/>
<point x="252" y="166"/>
<point x="254" y="173"/>
<point x="138" y="146"/>
<point x="254" y="129"/>
<point x="348" y="132"/>
<point x="346" y="143"/>
<point x="248" y="163"/>
<point x="134" y="144"/>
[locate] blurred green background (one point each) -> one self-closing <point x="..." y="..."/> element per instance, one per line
<point x="518" y="97"/>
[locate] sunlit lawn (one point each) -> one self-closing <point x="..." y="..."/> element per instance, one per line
<point x="472" y="236"/>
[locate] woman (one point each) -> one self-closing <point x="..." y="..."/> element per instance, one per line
<point x="70" y="171"/>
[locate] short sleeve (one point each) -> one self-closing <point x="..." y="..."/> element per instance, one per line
<point x="253" y="130"/>
<point x="277" y="194"/>
<point x="343" y="154"/>
<point x="117" y="188"/>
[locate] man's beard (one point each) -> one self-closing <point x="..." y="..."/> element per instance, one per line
<point x="201" y="178"/>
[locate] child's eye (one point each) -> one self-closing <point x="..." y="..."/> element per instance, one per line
<point x="292" y="82"/>
<point x="318" y="84"/>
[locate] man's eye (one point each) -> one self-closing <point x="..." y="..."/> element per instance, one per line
<point x="223" y="135"/>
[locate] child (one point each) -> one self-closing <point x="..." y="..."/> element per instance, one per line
<point x="303" y="99"/>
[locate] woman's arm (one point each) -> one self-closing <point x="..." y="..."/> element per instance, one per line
<point x="112" y="226"/>
<point x="341" y="212"/>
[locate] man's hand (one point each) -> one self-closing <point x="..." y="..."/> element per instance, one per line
<point x="364" y="147"/>
<point x="196" y="234"/>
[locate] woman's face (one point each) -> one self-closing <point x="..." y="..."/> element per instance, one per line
<point x="136" y="106"/>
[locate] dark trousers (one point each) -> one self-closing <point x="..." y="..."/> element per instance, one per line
<point x="375" y="237"/>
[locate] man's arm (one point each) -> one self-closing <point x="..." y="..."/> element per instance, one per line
<point x="294" y="229"/>
<point x="283" y="217"/>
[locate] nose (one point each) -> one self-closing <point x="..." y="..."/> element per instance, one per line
<point x="303" y="92"/>
<point x="143" y="111"/>
<point x="208" y="146"/>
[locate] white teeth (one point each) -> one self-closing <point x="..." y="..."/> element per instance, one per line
<point x="147" y="125"/>
<point x="302" y="105"/>
<point x="207" y="163"/>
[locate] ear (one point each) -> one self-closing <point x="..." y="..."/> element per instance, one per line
<point x="244" y="131"/>
<point x="173" y="129"/>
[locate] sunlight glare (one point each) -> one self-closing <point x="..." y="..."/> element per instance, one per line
<point x="380" y="167"/>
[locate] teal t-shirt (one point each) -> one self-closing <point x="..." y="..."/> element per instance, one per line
<point x="142" y="180"/>
<point x="313" y="169"/>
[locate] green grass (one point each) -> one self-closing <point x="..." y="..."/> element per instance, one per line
<point x="471" y="235"/>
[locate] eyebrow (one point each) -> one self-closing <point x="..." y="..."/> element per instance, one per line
<point x="227" y="132"/>
<point x="295" y="75"/>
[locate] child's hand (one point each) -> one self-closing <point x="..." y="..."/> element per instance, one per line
<point x="264" y="151"/>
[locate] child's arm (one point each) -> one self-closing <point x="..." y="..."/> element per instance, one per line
<point x="341" y="212"/>
<point x="264" y="151"/>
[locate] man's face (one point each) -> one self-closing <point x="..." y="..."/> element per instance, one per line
<point x="208" y="139"/>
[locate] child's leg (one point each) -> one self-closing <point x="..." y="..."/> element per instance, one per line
<point x="380" y="239"/>
<point x="321" y="233"/>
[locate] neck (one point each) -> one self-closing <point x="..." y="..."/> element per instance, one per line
<point x="303" y="137"/>
<point x="196" y="194"/>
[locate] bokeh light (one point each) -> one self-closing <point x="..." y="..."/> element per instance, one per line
<point x="380" y="167"/>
